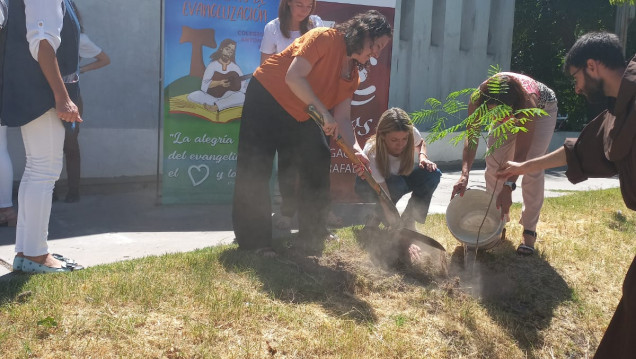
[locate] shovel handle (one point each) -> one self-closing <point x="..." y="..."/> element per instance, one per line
<point x="384" y="197"/>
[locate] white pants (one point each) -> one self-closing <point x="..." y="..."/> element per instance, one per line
<point x="43" y="143"/>
<point x="532" y="184"/>
<point x="6" y="171"/>
<point x="229" y="99"/>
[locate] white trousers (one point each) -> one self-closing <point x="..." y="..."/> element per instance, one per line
<point x="229" y="99"/>
<point x="43" y="143"/>
<point x="6" y="171"/>
<point x="532" y="184"/>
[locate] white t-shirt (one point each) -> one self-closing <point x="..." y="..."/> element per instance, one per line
<point x="274" y="41"/>
<point x="87" y="48"/>
<point x="394" y="162"/>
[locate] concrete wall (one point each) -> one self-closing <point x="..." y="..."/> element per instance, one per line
<point x="121" y="101"/>
<point x="444" y="152"/>
<point x="439" y="46"/>
<point x="443" y="46"/>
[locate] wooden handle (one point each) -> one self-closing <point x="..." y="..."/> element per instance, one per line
<point x="393" y="216"/>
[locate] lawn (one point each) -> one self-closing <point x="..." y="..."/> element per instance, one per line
<point x="224" y="303"/>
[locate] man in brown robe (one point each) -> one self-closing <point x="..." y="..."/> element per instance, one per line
<point x="606" y="147"/>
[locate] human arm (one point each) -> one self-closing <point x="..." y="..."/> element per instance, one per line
<point x="268" y="42"/>
<point x="553" y="159"/>
<point x="424" y="161"/>
<point x="468" y="157"/>
<point x="44" y="19"/>
<point x="342" y="115"/>
<point x="207" y="82"/>
<point x="66" y="109"/>
<point x="296" y="79"/>
<point x="89" y="50"/>
<point x="101" y="60"/>
<point x="264" y="57"/>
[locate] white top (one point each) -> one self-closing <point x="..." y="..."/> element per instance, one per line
<point x="87" y="48"/>
<point x="394" y="162"/>
<point x="274" y="41"/>
<point x="44" y="20"/>
<point x="4" y="9"/>
<point x="216" y="66"/>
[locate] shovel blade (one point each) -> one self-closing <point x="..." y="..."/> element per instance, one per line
<point x="408" y="236"/>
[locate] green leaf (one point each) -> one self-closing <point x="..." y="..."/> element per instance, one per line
<point x="496" y="121"/>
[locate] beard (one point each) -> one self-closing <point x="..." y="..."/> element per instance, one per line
<point x="593" y="90"/>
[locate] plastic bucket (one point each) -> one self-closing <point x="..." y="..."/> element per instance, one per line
<point x="465" y="214"/>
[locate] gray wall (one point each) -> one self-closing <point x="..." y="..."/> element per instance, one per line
<point x="439" y="46"/>
<point x="121" y="101"/>
<point x="443" y="46"/>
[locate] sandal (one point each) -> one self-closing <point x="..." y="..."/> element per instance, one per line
<point x="525" y="249"/>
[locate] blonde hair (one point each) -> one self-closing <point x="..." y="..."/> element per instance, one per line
<point x="393" y="120"/>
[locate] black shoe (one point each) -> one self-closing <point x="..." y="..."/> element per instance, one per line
<point x="72" y="198"/>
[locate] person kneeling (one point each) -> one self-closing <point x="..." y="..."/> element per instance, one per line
<point x="392" y="152"/>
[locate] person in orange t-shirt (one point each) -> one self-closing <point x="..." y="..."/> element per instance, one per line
<point x="319" y="68"/>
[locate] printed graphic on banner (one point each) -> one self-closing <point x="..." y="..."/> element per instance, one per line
<point x="369" y="101"/>
<point x="211" y="48"/>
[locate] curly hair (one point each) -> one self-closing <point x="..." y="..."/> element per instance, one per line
<point x="393" y="120"/>
<point x="284" y="17"/>
<point x="602" y="46"/>
<point x="367" y="25"/>
<point x="501" y="89"/>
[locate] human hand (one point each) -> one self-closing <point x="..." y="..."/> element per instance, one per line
<point x="510" y="169"/>
<point x="428" y="165"/>
<point x="330" y="126"/>
<point x="460" y="186"/>
<point x="504" y="201"/>
<point x="414" y="253"/>
<point x="361" y="169"/>
<point x="67" y="111"/>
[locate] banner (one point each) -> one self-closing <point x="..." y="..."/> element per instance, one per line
<point x="205" y="42"/>
<point x="369" y="101"/>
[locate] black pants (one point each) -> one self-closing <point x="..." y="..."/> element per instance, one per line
<point x="287" y="181"/>
<point x="266" y="128"/>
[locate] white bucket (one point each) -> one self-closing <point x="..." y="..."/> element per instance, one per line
<point x="465" y="215"/>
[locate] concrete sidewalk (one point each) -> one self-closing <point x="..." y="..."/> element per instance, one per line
<point x="119" y="222"/>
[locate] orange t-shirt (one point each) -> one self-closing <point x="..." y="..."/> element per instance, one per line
<point x="325" y="50"/>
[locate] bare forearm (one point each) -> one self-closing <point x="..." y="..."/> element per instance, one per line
<point x="301" y="88"/>
<point x="50" y="69"/>
<point x="468" y="156"/>
<point x="101" y="60"/>
<point x="264" y="57"/>
<point x="553" y="159"/>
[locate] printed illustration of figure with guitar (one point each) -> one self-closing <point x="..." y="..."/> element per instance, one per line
<point x="222" y="86"/>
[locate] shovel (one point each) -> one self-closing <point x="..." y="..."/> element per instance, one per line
<point x="405" y="236"/>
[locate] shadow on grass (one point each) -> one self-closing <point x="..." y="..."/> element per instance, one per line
<point x="11" y="285"/>
<point x="295" y="277"/>
<point x="520" y="293"/>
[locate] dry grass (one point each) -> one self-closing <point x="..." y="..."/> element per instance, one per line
<point x="224" y="303"/>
